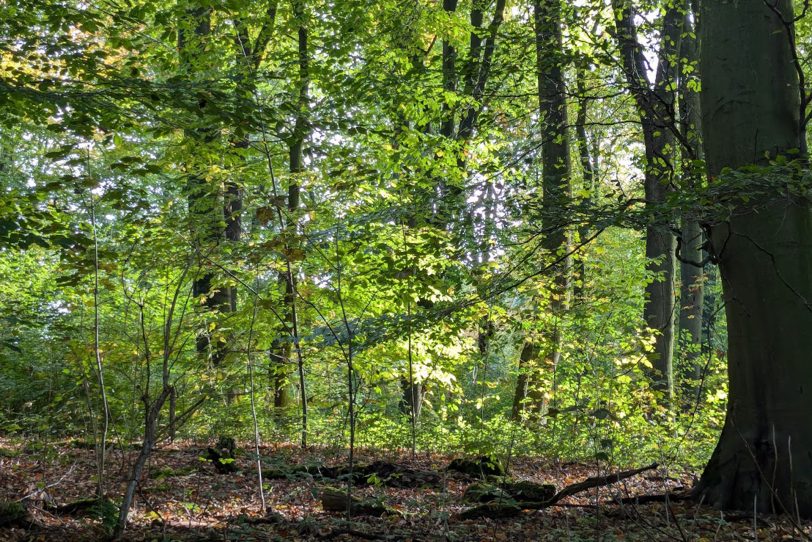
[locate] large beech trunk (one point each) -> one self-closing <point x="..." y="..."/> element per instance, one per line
<point x="692" y="287"/>
<point x="751" y="111"/>
<point x="658" y="310"/>
<point x="692" y="298"/>
<point x="764" y="455"/>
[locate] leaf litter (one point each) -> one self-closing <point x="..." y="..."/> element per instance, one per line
<point x="183" y="498"/>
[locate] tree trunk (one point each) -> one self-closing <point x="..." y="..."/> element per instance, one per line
<point x="205" y="201"/>
<point x="656" y="108"/>
<point x="555" y="155"/>
<point x="476" y="74"/>
<point x="232" y="211"/>
<point x="449" y="76"/>
<point x="288" y="342"/>
<point x="528" y="365"/>
<point x="300" y="131"/>
<point x="658" y="310"/>
<point x="751" y="113"/>
<point x="152" y="413"/>
<point x="280" y="368"/>
<point x="692" y="289"/>
<point x="589" y="172"/>
<point x="412" y="399"/>
<point x="173" y="422"/>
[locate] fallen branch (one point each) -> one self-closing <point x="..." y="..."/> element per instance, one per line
<point x="659" y="497"/>
<point x="510" y="507"/>
<point x="598" y="481"/>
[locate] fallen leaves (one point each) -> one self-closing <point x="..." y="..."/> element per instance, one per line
<point x="184" y="499"/>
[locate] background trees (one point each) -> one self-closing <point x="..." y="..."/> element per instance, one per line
<point x="438" y="218"/>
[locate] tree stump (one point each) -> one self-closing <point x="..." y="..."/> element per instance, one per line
<point x="224" y="456"/>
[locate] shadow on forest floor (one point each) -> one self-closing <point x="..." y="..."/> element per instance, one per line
<point x="183" y="498"/>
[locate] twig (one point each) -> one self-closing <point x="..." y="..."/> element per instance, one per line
<point x="48" y="486"/>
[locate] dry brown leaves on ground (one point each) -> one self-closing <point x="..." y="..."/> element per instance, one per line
<point x="182" y="498"/>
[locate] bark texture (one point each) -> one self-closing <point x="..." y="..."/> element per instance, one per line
<point x="692" y="274"/>
<point x="655" y="103"/>
<point x="751" y="110"/>
<point x="555" y="155"/>
<point x="209" y="206"/>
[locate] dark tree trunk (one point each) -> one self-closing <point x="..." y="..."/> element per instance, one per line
<point x="528" y="368"/>
<point x="751" y="113"/>
<point x="655" y="105"/>
<point x="205" y="200"/>
<point x="290" y="223"/>
<point x="476" y="75"/>
<point x="555" y="155"/>
<point x="232" y="211"/>
<point x="449" y="76"/>
<point x="692" y="291"/>
<point x="412" y="400"/>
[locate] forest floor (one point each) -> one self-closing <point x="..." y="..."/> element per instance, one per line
<point x="182" y="498"/>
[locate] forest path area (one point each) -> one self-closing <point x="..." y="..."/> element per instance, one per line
<point x="183" y="498"/>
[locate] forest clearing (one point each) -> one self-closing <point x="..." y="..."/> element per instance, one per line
<point x="405" y="270"/>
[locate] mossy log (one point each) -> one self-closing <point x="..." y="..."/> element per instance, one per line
<point x="521" y="491"/>
<point x="505" y="509"/>
<point x="479" y="467"/>
<point x="335" y="500"/>
<point x="76" y="508"/>
<point x="224" y="456"/>
<point x="481" y="493"/>
<point x="524" y="490"/>
<point x="493" y="510"/>
<point x="14" y="514"/>
<point x="103" y="509"/>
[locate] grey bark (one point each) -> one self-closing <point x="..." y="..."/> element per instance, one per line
<point x="655" y="105"/>
<point x="692" y="275"/>
<point x="589" y="171"/>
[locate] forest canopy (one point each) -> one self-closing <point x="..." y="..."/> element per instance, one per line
<point x="493" y="228"/>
